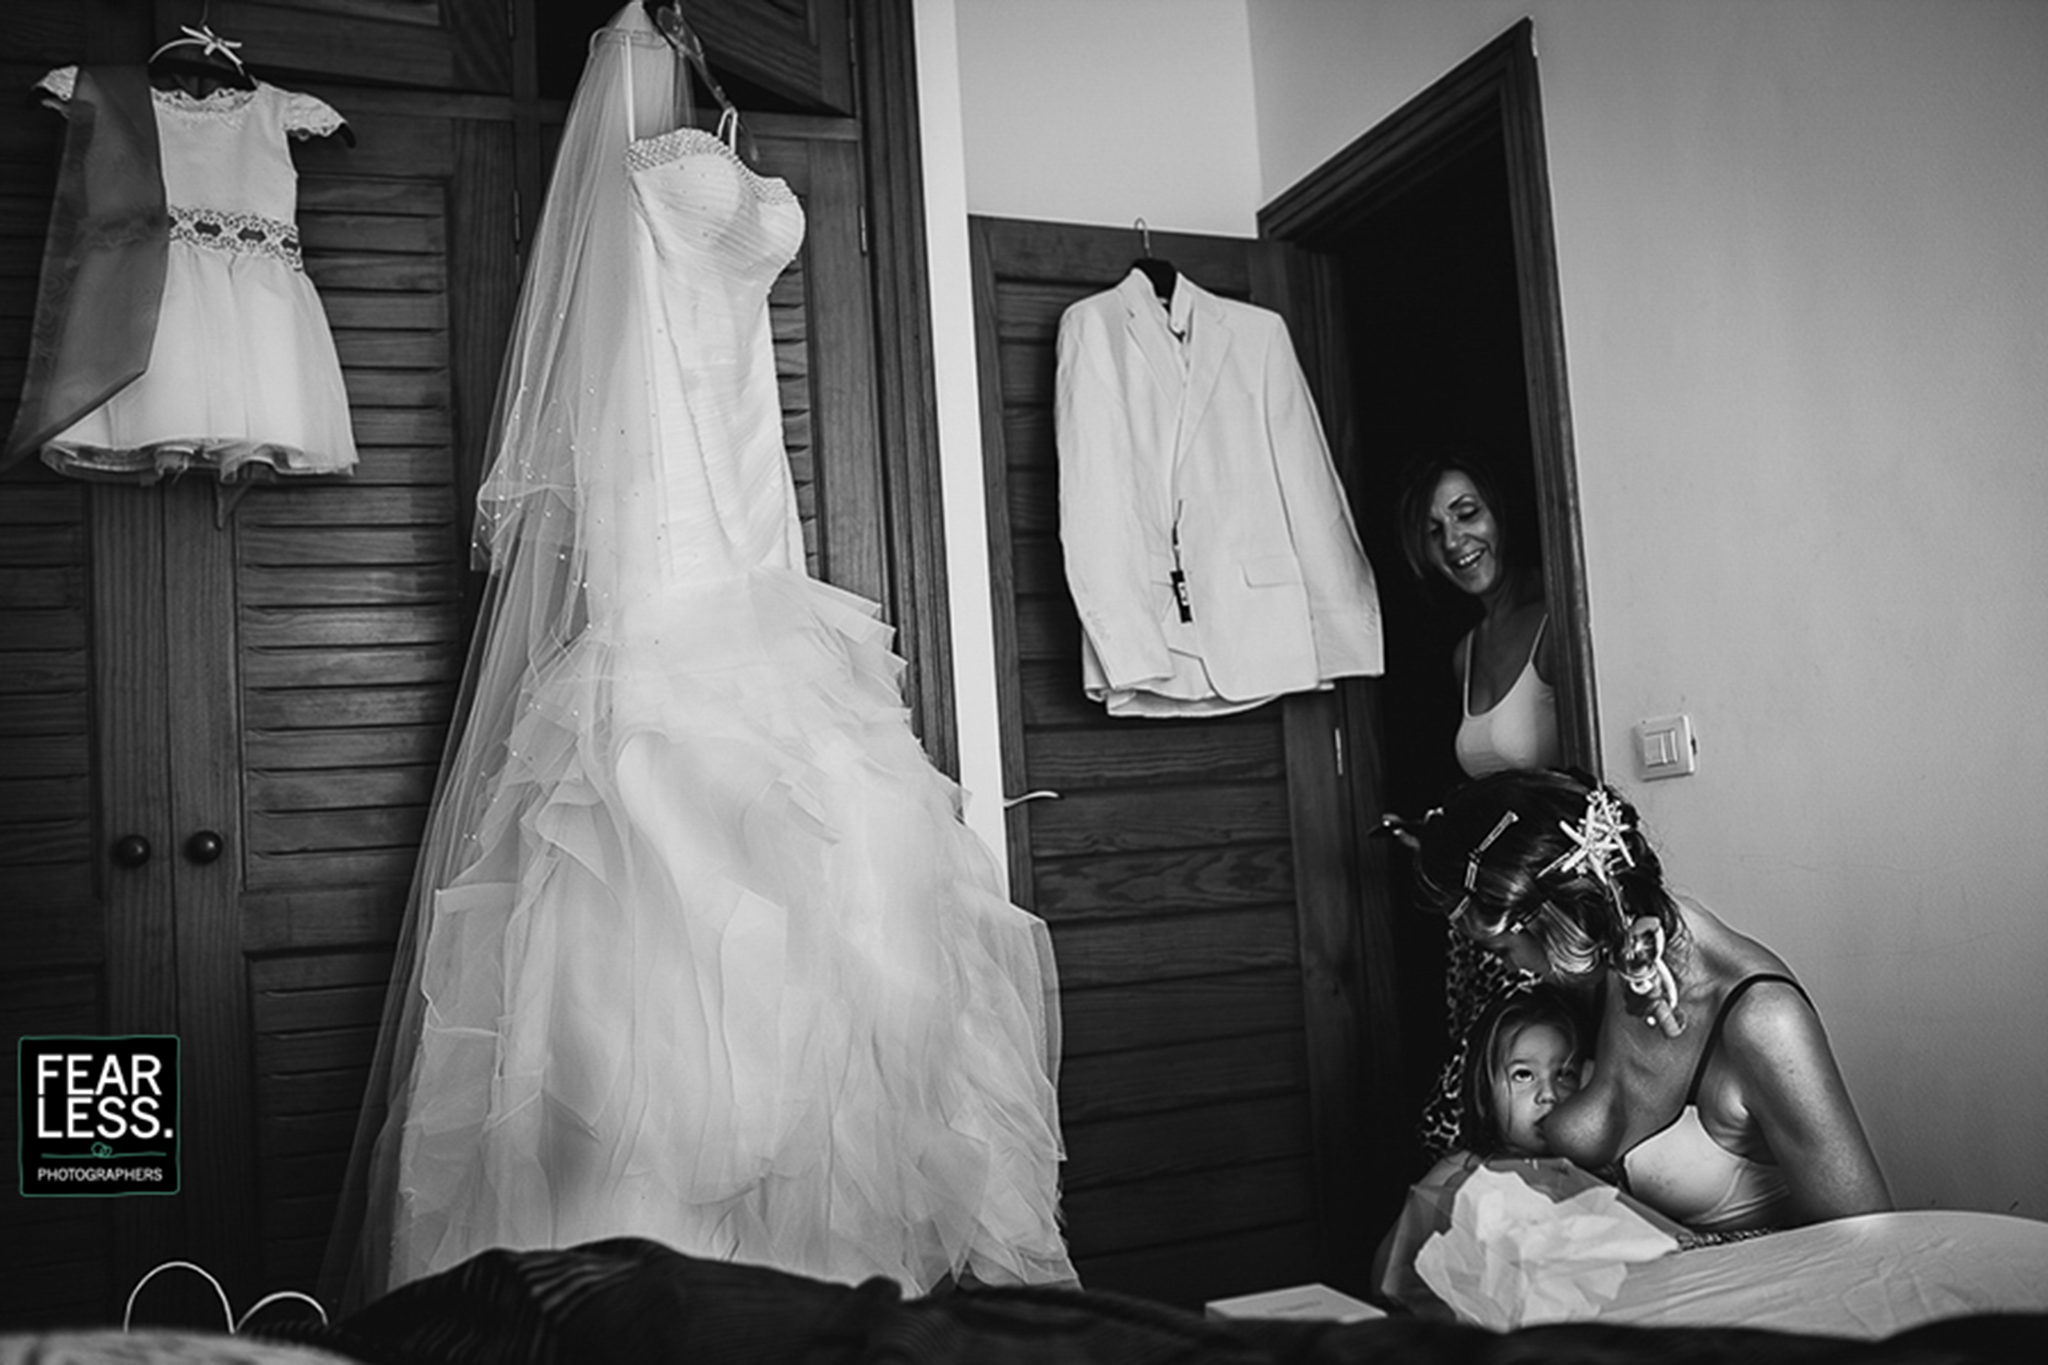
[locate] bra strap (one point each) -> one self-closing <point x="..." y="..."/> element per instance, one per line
<point x="1721" y="1017"/>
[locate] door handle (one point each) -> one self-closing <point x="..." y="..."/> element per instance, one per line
<point x="204" y="847"/>
<point x="131" y="850"/>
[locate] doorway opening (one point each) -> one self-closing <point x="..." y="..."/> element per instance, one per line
<point x="1428" y="251"/>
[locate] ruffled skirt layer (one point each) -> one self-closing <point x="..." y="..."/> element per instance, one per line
<point x="243" y="379"/>
<point x="728" y="971"/>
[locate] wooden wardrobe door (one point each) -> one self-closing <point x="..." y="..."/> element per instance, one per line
<point x="426" y="44"/>
<point x="825" y="353"/>
<point x="1199" y="899"/>
<point x="277" y="673"/>
<point x="321" y="631"/>
<point x="89" y="948"/>
<point x="797" y="48"/>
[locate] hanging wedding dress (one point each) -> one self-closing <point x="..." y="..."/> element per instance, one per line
<point x="700" y="949"/>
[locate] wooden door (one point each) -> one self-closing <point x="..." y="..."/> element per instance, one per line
<point x="1203" y="899"/>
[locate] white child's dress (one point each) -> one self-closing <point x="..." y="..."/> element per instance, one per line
<point x="243" y="373"/>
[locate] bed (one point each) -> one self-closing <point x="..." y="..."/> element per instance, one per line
<point x="1903" y="1289"/>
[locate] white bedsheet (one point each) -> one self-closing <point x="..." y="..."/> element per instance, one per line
<point x="1868" y="1277"/>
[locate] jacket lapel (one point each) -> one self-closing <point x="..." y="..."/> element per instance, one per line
<point x="1145" y="320"/>
<point x="1210" y="335"/>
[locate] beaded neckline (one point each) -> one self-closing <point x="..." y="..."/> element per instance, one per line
<point x="647" y="152"/>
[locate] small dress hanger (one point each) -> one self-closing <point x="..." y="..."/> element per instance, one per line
<point x="1160" y="272"/>
<point x="215" y="61"/>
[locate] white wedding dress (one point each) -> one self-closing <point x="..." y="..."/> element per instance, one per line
<point x="717" y="962"/>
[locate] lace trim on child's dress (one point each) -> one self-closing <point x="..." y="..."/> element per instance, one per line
<point x="223" y="230"/>
<point x="310" y="116"/>
<point x="221" y="104"/>
<point x="663" y="148"/>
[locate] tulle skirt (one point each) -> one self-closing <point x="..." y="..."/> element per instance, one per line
<point x="243" y="373"/>
<point x="729" y="972"/>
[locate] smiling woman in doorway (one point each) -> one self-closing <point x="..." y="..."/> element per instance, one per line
<point x="1456" y="523"/>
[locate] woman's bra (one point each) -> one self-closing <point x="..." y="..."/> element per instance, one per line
<point x="1684" y="1174"/>
<point x="1519" y="731"/>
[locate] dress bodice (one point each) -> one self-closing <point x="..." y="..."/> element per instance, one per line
<point x="713" y="235"/>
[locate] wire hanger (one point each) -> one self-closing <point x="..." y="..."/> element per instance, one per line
<point x="668" y="19"/>
<point x="215" y="61"/>
<point x="1160" y="272"/>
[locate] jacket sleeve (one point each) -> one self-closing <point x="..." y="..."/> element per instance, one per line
<point x="1108" y="559"/>
<point x="1343" y="597"/>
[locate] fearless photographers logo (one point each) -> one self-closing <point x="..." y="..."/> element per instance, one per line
<point x="99" y="1116"/>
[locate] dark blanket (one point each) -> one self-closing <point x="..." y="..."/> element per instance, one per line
<point x="632" y="1302"/>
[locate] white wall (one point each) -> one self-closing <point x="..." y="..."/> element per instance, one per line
<point x="1801" y="248"/>
<point x="1106" y="111"/>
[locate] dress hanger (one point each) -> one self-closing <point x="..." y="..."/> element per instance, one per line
<point x="214" y="64"/>
<point x="669" y="21"/>
<point x="1160" y="272"/>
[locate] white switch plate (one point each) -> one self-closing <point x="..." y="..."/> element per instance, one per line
<point x="1665" y="747"/>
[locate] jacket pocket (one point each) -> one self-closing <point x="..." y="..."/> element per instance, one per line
<point x="1271" y="571"/>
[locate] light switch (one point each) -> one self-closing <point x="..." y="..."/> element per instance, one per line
<point x="1665" y="747"/>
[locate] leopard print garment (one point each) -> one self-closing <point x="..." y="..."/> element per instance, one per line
<point x="1473" y="979"/>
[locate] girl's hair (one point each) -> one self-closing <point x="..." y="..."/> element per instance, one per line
<point x="1504" y="854"/>
<point x="1486" y="1047"/>
<point x="1418" y="490"/>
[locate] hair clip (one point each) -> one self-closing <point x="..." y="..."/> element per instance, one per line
<point x="1500" y="827"/>
<point x="1598" y="839"/>
<point x="1643" y="967"/>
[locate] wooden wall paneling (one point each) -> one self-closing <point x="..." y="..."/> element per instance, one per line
<point x="1167" y="865"/>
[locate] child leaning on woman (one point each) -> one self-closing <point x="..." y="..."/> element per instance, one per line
<point x="1525" y="1055"/>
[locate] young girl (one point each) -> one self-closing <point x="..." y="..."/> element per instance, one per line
<point x="1524" y="1058"/>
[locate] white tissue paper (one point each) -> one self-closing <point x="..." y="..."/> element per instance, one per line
<point x="1513" y="1257"/>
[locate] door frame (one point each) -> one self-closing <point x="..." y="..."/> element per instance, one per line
<point x="1494" y="92"/>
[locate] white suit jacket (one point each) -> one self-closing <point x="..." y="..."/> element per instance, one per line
<point x="1202" y="453"/>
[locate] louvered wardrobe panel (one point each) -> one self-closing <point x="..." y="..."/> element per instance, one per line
<point x="823" y="331"/>
<point x="347" y="602"/>
<point x="53" y="906"/>
<point x="430" y="44"/>
<point x="87" y="942"/>
<point x="1166" y="865"/>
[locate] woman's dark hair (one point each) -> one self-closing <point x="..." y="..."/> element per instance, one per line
<point x="1502" y="1021"/>
<point x="1418" y="489"/>
<point x="1496" y="858"/>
